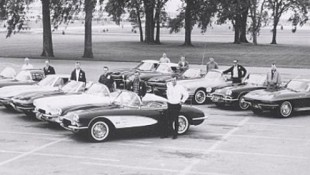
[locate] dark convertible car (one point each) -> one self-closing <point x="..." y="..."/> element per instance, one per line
<point x="233" y="95"/>
<point x="295" y="96"/>
<point x="127" y="111"/>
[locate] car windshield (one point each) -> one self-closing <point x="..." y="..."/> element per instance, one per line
<point x="23" y="76"/>
<point x="98" y="89"/>
<point x="164" y="68"/>
<point x="256" y="79"/>
<point x="73" y="86"/>
<point x="8" y="72"/>
<point x="299" y="86"/>
<point x="127" y="98"/>
<point x="48" y="81"/>
<point x="213" y="75"/>
<point x="192" y="73"/>
<point x="145" y="66"/>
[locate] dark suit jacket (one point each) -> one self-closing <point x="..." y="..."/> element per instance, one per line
<point x="107" y="80"/>
<point x="142" y="88"/>
<point x="82" y="76"/>
<point x="185" y="67"/>
<point x="50" y="70"/>
<point x="241" y="71"/>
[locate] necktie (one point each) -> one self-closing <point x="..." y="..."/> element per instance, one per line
<point x="272" y="74"/>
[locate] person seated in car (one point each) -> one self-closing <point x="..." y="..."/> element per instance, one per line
<point x="273" y="80"/>
<point x="183" y="64"/>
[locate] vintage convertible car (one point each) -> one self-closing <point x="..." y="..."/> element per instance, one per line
<point x="295" y="96"/>
<point x="233" y="95"/>
<point x="25" y="77"/>
<point x="24" y="101"/>
<point x="7" y="73"/>
<point x="50" y="108"/>
<point x="199" y="87"/>
<point x="120" y="75"/>
<point x="127" y="111"/>
<point x="164" y="69"/>
<point x="158" y="86"/>
<point x="50" y="83"/>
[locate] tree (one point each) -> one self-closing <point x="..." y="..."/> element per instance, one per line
<point x="257" y="15"/>
<point x="47" y="32"/>
<point x="193" y="12"/>
<point x="279" y="7"/>
<point x="135" y="14"/>
<point x="159" y="16"/>
<point x="235" y="11"/>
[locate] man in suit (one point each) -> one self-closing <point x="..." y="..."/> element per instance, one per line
<point x="48" y="69"/>
<point x="183" y="64"/>
<point x="137" y="85"/>
<point x="237" y="72"/>
<point x="273" y="80"/>
<point x="78" y="74"/>
<point x="107" y="79"/>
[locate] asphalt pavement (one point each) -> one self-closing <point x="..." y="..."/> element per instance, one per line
<point x="228" y="142"/>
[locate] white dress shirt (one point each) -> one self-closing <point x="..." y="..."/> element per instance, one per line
<point x="235" y="72"/>
<point x="176" y="94"/>
<point x="27" y="67"/>
<point x="77" y="74"/>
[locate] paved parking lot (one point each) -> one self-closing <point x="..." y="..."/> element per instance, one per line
<point x="229" y="142"/>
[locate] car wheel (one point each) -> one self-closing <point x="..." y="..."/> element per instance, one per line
<point x="257" y="111"/>
<point x="200" y="96"/>
<point x="242" y="104"/>
<point x="286" y="109"/>
<point x="99" y="131"/>
<point x="183" y="125"/>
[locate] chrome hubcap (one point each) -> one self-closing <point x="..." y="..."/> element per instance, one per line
<point x="243" y="104"/>
<point x="200" y="96"/>
<point x="286" y="109"/>
<point x="100" y="131"/>
<point x="183" y="124"/>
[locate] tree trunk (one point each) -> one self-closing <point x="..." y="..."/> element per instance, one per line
<point x="47" y="32"/>
<point x="244" y="18"/>
<point x="88" y="51"/>
<point x="149" y="21"/>
<point x="157" y="20"/>
<point x="237" y="29"/>
<point x="274" y="30"/>
<point x="140" y="24"/>
<point x="188" y="23"/>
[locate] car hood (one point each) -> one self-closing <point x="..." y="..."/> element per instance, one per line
<point x="237" y="88"/>
<point x="61" y="102"/>
<point x="38" y="94"/>
<point x="160" y="79"/>
<point x="122" y="71"/>
<point x="11" y="91"/>
<point x="265" y="95"/>
<point x="201" y="82"/>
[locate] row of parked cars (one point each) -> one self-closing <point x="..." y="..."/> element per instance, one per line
<point x="87" y="109"/>
<point x="91" y="109"/>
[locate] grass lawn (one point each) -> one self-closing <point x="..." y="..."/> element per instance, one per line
<point x="293" y="50"/>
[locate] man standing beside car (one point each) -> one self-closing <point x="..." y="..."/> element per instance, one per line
<point x="48" y="69"/>
<point x="27" y="65"/>
<point x="273" y="80"/>
<point x="137" y="85"/>
<point x="78" y="74"/>
<point x="176" y="95"/>
<point x="237" y="72"/>
<point x="183" y="64"/>
<point x="107" y="79"/>
<point x="164" y="59"/>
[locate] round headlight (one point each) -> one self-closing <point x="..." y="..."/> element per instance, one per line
<point x="228" y="92"/>
<point x="209" y="89"/>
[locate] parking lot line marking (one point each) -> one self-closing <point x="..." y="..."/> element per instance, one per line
<point x="61" y="155"/>
<point x="31" y="152"/>
<point x="261" y="154"/>
<point x="188" y="169"/>
<point x="147" y="168"/>
<point x="255" y="123"/>
<point x="30" y="133"/>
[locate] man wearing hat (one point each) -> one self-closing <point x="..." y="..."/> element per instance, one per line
<point x="27" y="65"/>
<point x="237" y="72"/>
<point x="273" y="80"/>
<point x="78" y="74"/>
<point x="48" y="69"/>
<point x="176" y="95"/>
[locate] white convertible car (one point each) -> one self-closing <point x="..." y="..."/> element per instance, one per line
<point x="50" y="83"/>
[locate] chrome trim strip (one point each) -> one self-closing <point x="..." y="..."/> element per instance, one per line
<point x="200" y="118"/>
